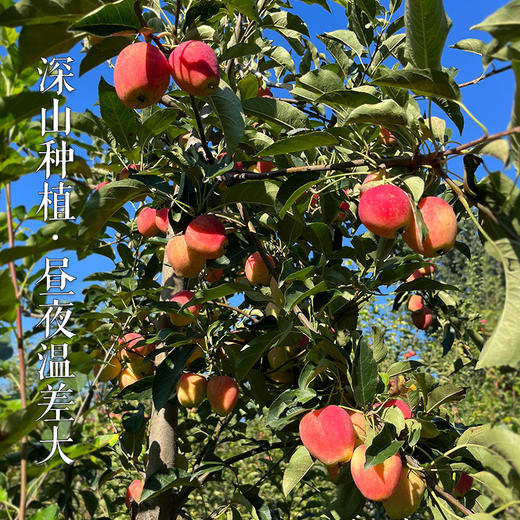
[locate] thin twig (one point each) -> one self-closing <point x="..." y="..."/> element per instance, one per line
<point x="485" y="76"/>
<point x="236" y="309"/>
<point x="202" y="136"/>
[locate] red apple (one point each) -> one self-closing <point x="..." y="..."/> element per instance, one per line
<point x="183" y="260"/>
<point x="146" y="222"/>
<point x="415" y="303"/>
<point x="206" y="235"/>
<point x="399" y="403"/>
<point x="423" y="318"/>
<point x="161" y="220"/>
<point x="222" y="394"/>
<point x="183" y="297"/>
<point x="133" y="493"/>
<point x="256" y="270"/>
<point x="463" y="485"/>
<point x="191" y="390"/>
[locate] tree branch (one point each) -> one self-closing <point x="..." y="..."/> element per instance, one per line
<point x="485" y="76"/>
<point x="202" y="135"/>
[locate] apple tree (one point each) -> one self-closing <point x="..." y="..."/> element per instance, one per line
<point x="259" y="190"/>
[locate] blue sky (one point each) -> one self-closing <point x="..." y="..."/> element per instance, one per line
<point x="490" y="101"/>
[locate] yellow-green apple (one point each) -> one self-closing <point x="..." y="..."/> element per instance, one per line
<point x="407" y="497"/>
<point x="133" y="493"/>
<point x="128" y="377"/>
<point x="401" y="405"/>
<point x="328" y="434"/>
<point x="441" y="223"/>
<point x="206" y="235"/>
<point x="161" y="220"/>
<point x="423" y="319"/>
<point x="360" y="427"/>
<point x="194" y="67"/>
<point x="109" y="370"/>
<point x="191" y="390"/>
<point x="278" y="358"/>
<point x="385" y="210"/>
<point x="222" y="394"/>
<point x="256" y="270"/>
<point x="146" y="222"/>
<point x="141" y="75"/>
<point x="415" y="303"/>
<point x="378" y="482"/>
<point x="186" y="262"/>
<point x="386" y="137"/>
<point x="463" y="485"/>
<point x="183" y="297"/>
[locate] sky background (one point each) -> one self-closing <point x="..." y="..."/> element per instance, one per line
<point x="490" y="101"/>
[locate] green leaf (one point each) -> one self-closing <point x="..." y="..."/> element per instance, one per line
<point x="349" y="39"/>
<point x="503" y="24"/>
<point x="36" y="12"/>
<point x="349" y="502"/>
<point x="499" y="149"/>
<point x="166" y="479"/>
<point x="472" y="45"/>
<point x="278" y="112"/>
<point x="17" y="424"/>
<point x="24" y="105"/>
<point x="247" y="7"/>
<point x="378" y="345"/>
<point x="503" y="347"/>
<point x="300" y="142"/>
<point x="229" y="110"/>
<point x="8" y="303"/>
<point x="351" y="98"/>
<point x="44" y="40"/>
<point x="427" y="26"/>
<point x="157" y="123"/>
<point x="421" y="81"/>
<point x="314" y="84"/>
<point x="252" y="352"/>
<point x="377" y="453"/>
<point x="103" y="51"/>
<point x="49" y="513"/>
<point x="261" y="192"/>
<point x="514" y="139"/>
<point x="298" y="465"/>
<point x="388" y="113"/>
<point x="444" y="394"/>
<point x="364" y="375"/>
<point x="109" y="19"/>
<point x="239" y="50"/>
<point x="167" y="375"/>
<point x="120" y="119"/>
<point x="452" y="110"/>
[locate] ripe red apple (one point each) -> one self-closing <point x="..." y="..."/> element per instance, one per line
<point x="463" y="485"/>
<point x="422" y="271"/>
<point x="256" y="270"/>
<point x="360" y="428"/>
<point x="385" y="210"/>
<point x="328" y="434"/>
<point x="407" y="497"/>
<point x="161" y="220"/>
<point x="125" y="172"/>
<point x="423" y="318"/>
<point x="183" y="260"/>
<point x="213" y="275"/>
<point x="133" y="493"/>
<point x="378" y="482"/>
<point x="141" y="75"/>
<point x="146" y="222"/>
<point x="264" y="92"/>
<point x="183" y="297"/>
<point x="441" y="222"/>
<point x="206" y="235"/>
<point x="194" y="67"/>
<point x="264" y="166"/>
<point x="191" y="390"/>
<point x="415" y="303"/>
<point x="368" y="180"/>
<point x="386" y="137"/>
<point x="222" y="394"/>
<point x="100" y="185"/>
<point x="399" y="403"/>
<point x="130" y="350"/>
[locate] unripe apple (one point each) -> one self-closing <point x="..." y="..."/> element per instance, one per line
<point x="378" y="482"/>
<point x="360" y="428"/>
<point x="407" y="497"/>
<point x="183" y="297"/>
<point x="222" y="394"/>
<point x="385" y="210"/>
<point x="206" y="235"/>
<point x="133" y="493"/>
<point x="368" y="180"/>
<point x="463" y="485"/>
<point x="278" y="356"/>
<point x="128" y="377"/>
<point x="109" y="370"/>
<point x="141" y="75"/>
<point x="328" y="434"/>
<point x="399" y="403"/>
<point x="194" y="67"/>
<point x="415" y="303"/>
<point x="256" y="270"/>
<point x="423" y="318"/>
<point x="184" y="261"/>
<point x="441" y="222"/>
<point x="386" y="137"/>
<point x="146" y="222"/>
<point x="161" y="220"/>
<point x="191" y="390"/>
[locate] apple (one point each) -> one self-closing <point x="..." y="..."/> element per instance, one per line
<point x="141" y="75"/>
<point x="386" y="137"/>
<point x="100" y="185"/>
<point x="415" y="303"/>
<point x="422" y="271"/>
<point x="213" y="275"/>
<point x="191" y="390"/>
<point x="441" y="222"/>
<point x="399" y="403"/>
<point x="186" y="262"/>
<point x="328" y="434"/>
<point x="133" y="493"/>
<point x="161" y="220"/>
<point x="264" y="166"/>
<point x="277" y="358"/>
<point x="206" y="235"/>
<point x="125" y="172"/>
<point x="368" y="180"/>
<point x="109" y="370"/>
<point x="360" y="427"/>
<point x="183" y="297"/>
<point x="129" y="351"/>
<point x="128" y="377"/>
<point x="222" y="394"/>
<point x="385" y="210"/>
<point x="264" y="92"/>
<point x="463" y="485"/>
<point x="256" y="270"/>
<point x="423" y="318"/>
<point x="198" y="352"/>
<point x="378" y="482"/>
<point x="194" y="67"/>
<point x="146" y="222"/>
<point x="407" y="497"/>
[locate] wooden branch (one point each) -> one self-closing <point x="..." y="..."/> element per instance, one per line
<point x="485" y="76"/>
<point x="202" y="135"/>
